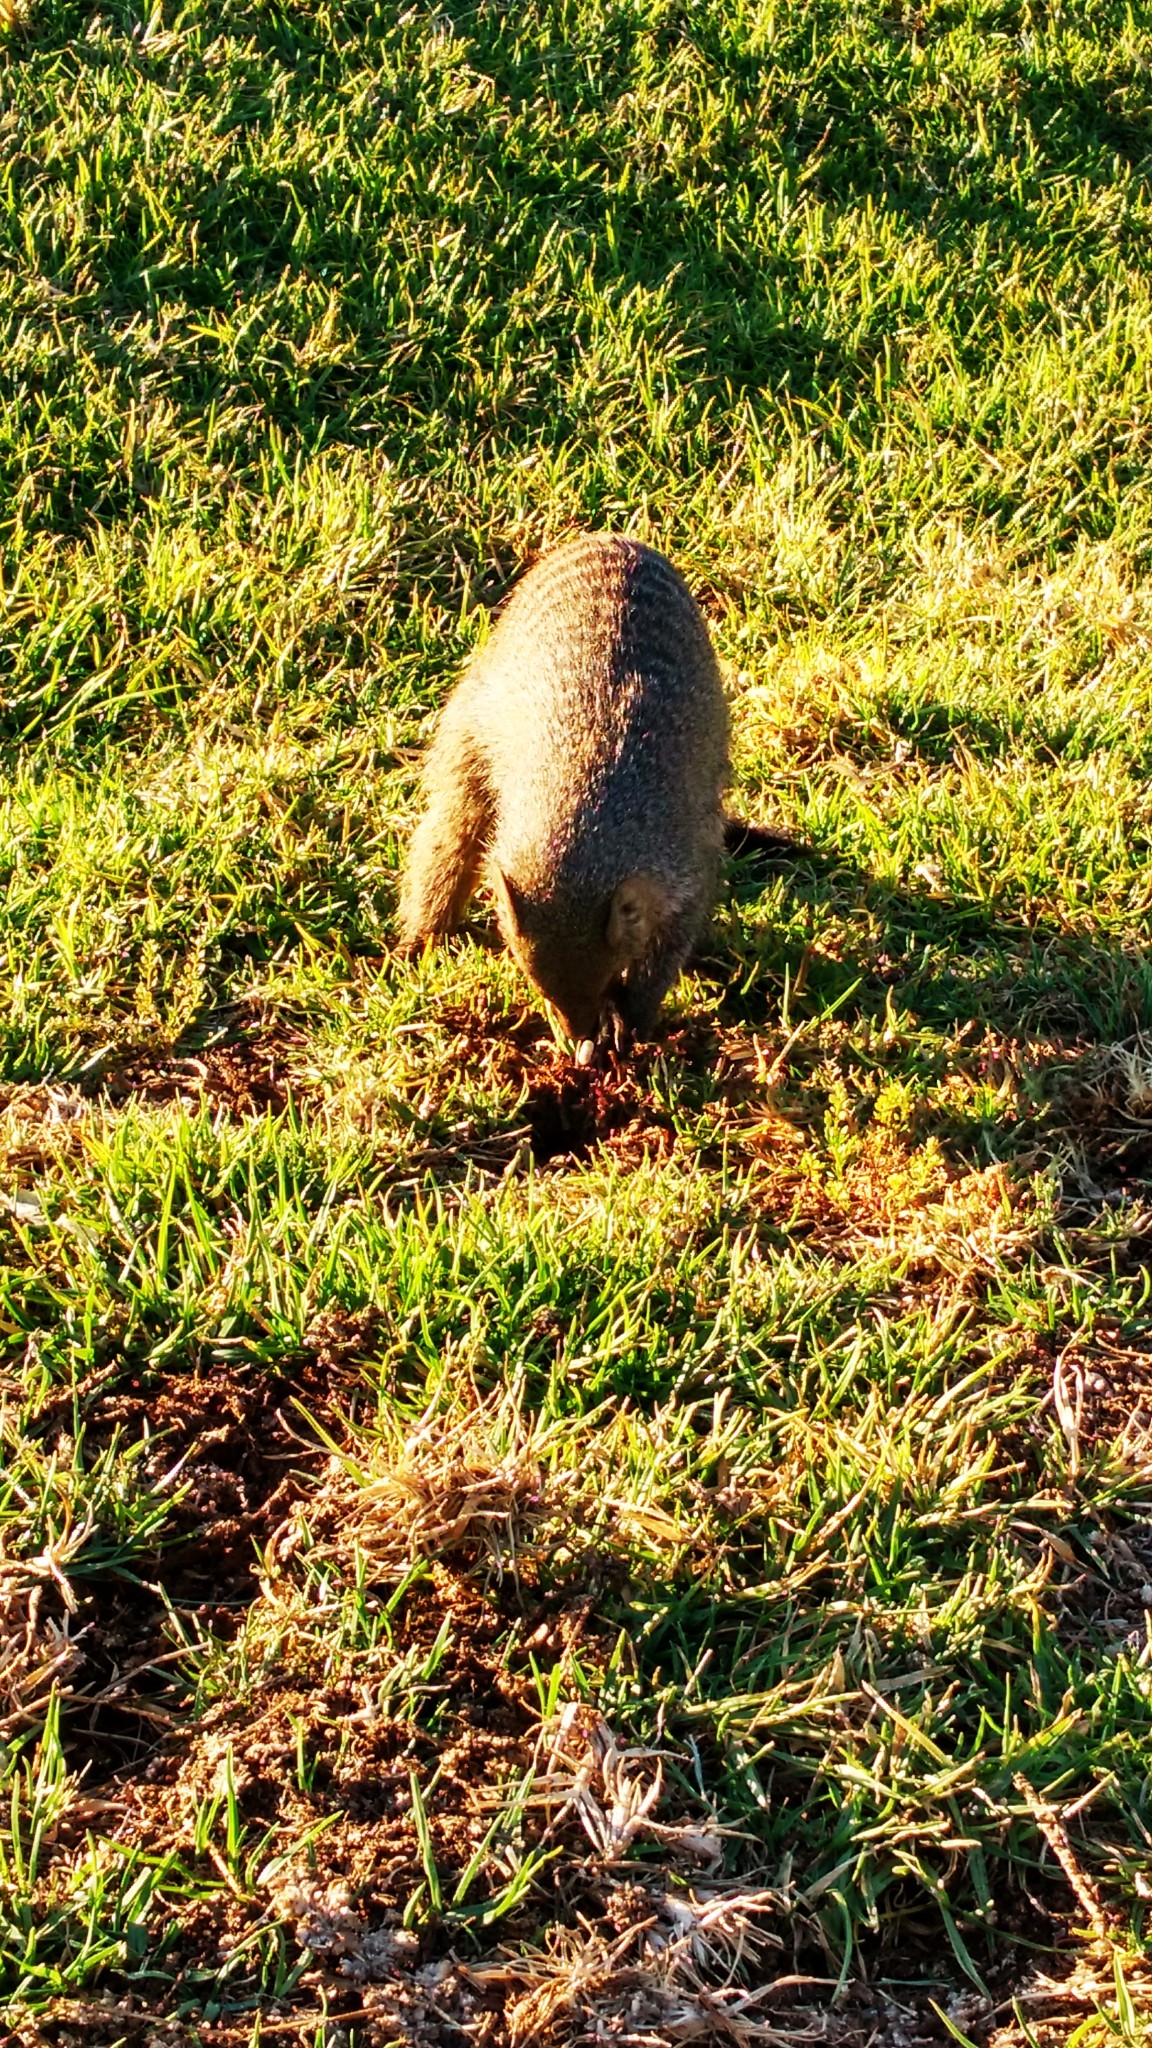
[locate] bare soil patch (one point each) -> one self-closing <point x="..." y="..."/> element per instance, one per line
<point x="565" y="1112"/>
<point x="217" y="1442"/>
<point x="576" y="1111"/>
<point x="243" y="1076"/>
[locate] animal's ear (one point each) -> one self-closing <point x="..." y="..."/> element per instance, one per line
<point x="640" y="905"/>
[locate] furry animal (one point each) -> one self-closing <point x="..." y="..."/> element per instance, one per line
<point x="581" y="762"/>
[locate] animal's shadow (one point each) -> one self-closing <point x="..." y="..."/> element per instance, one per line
<point x="947" y="961"/>
<point x="944" y="982"/>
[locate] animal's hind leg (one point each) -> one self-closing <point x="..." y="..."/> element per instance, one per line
<point x="448" y="843"/>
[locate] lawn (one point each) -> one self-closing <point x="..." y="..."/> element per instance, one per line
<point x="492" y="1552"/>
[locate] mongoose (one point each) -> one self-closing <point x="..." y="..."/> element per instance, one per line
<point x="581" y="761"/>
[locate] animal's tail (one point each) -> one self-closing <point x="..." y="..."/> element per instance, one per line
<point x="743" y="841"/>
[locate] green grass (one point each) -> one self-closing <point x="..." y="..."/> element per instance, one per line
<point x="362" y="1481"/>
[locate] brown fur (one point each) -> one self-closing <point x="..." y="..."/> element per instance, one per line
<point x="581" y="761"/>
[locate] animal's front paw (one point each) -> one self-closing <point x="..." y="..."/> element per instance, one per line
<point x="616" y="1033"/>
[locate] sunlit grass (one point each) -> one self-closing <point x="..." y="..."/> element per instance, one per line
<point x="410" y="1468"/>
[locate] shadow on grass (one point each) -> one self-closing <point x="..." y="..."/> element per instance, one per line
<point x="946" y="986"/>
<point x="923" y="985"/>
<point x="945" y="961"/>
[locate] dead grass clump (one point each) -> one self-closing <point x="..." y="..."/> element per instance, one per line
<point x="556" y="1507"/>
<point x="583" y="1773"/>
<point x="1089" y="2005"/>
<point x="877" y="1190"/>
<point x="39" y="1651"/>
<point x="973" y="1224"/>
<point x="438" y="1493"/>
<point x="458" y="1510"/>
<point x="1131" y="1062"/>
<point x="38" y="1126"/>
<point x="699" y="1964"/>
<point x="596" y="1997"/>
<point x="1099" y="1123"/>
